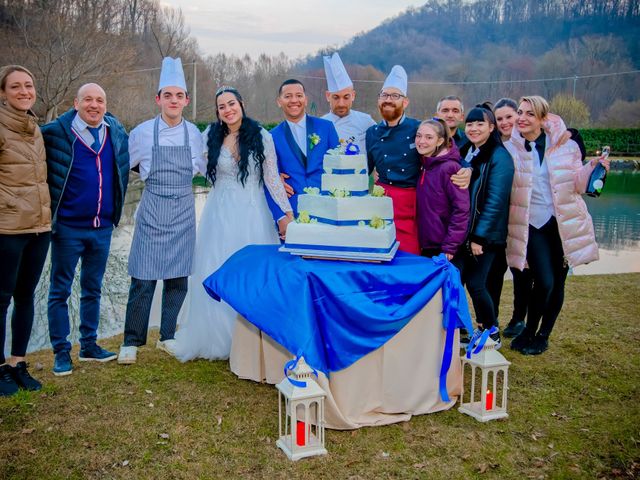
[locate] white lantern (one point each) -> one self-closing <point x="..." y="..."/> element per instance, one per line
<point x="301" y="413"/>
<point x="489" y="402"/>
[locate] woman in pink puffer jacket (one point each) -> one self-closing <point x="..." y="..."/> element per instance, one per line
<point x="550" y="228"/>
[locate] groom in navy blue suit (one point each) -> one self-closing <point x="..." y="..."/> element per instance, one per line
<point x="301" y="142"/>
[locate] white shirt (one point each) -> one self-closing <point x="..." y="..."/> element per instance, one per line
<point x="82" y="129"/>
<point x="541" y="205"/>
<point x="299" y="131"/>
<point x="353" y="125"/>
<point x="141" y="144"/>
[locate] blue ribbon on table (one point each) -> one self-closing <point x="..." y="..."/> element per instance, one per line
<point x="479" y="341"/>
<point x="454" y="312"/>
<point x="290" y="366"/>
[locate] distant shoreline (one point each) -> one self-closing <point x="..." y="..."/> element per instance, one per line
<point x="624" y="164"/>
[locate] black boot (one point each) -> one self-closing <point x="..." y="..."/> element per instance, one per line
<point x="24" y="379"/>
<point x="522" y="341"/>
<point x="8" y="385"/>
<point x="514" y="329"/>
<point x="538" y="345"/>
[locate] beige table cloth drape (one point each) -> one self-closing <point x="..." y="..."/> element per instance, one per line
<point x="389" y="385"/>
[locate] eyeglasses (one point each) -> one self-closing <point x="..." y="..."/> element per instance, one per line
<point x="393" y="96"/>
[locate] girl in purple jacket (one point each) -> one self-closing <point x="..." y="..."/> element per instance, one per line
<point x="443" y="208"/>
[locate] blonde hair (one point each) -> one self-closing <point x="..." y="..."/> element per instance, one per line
<point x="538" y="104"/>
<point x="8" y="70"/>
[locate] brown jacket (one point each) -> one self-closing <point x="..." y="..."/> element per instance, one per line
<point x="25" y="205"/>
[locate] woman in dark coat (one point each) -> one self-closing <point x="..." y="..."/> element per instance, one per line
<point x="489" y="193"/>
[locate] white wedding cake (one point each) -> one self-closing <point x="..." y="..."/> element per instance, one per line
<point x="341" y="219"/>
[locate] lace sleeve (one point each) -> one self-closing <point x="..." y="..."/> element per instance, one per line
<point x="271" y="175"/>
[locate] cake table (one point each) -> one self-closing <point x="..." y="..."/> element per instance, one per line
<point x="383" y="345"/>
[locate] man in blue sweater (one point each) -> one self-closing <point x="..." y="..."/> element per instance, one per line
<point x="88" y="172"/>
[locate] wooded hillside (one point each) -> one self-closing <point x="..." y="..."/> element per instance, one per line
<point x="588" y="52"/>
<point x="491" y="47"/>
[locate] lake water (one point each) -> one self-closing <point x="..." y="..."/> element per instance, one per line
<point x="616" y="217"/>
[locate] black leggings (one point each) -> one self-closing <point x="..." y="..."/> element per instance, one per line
<point x="546" y="263"/>
<point x="522" y="284"/>
<point x="474" y="271"/>
<point x="23" y="257"/>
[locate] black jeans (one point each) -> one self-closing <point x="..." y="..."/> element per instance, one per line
<point x="22" y="260"/>
<point x="474" y="271"/>
<point x="546" y="263"/>
<point x="522" y="284"/>
<point x="495" y="279"/>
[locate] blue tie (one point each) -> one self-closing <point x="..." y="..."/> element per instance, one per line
<point x="95" y="131"/>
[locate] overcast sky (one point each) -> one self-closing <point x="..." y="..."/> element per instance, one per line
<point x="295" y="27"/>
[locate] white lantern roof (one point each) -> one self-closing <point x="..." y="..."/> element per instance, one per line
<point x="488" y="356"/>
<point x="302" y="373"/>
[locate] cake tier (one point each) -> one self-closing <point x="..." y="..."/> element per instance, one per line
<point x="356" y="184"/>
<point x="344" y="164"/>
<point x="345" y="211"/>
<point x="318" y="236"/>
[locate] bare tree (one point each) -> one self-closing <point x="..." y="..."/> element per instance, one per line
<point x="172" y="36"/>
<point x="64" y="49"/>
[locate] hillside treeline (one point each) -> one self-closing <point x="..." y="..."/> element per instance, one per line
<point x="480" y="50"/>
<point x="120" y="45"/>
<point x="501" y="43"/>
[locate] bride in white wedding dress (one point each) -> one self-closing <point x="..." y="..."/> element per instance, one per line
<point x="242" y="159"/>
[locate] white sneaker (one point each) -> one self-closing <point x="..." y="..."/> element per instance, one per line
<point x="167" y="346"/>
<point x="127" y="355"/>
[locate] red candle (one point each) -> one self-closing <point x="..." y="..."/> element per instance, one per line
<point x="489" y="401"/>
<point x="300" y="441"/>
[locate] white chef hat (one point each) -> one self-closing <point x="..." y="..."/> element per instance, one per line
<point x="172" y="74"/>
<point x="337" y="76"/>
<point x="397" y="78"/>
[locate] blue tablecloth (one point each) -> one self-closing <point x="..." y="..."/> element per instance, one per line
<point x="335" y="312"/>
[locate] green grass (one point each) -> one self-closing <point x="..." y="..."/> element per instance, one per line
<point x="574" y="413"/>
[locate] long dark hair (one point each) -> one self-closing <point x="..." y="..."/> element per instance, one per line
<point x="249" y="142"/>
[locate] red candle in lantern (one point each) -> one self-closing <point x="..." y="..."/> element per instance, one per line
<point x="300" y="428"/>
<point x="489" y="400"/>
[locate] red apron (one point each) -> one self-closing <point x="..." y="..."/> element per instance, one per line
<point x="404" y="216"/>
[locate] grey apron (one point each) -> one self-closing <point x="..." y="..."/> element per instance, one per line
<point x="165" y="232"/>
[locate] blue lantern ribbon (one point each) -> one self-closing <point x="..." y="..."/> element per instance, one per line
<point x="455" y="313"/>
<point x="480" y="341"/>
<point x="290" y="367"/>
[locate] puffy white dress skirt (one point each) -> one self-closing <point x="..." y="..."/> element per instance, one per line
<point x="233" y="217"/>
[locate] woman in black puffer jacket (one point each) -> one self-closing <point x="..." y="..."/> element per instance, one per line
<point x="490" y="189"/>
